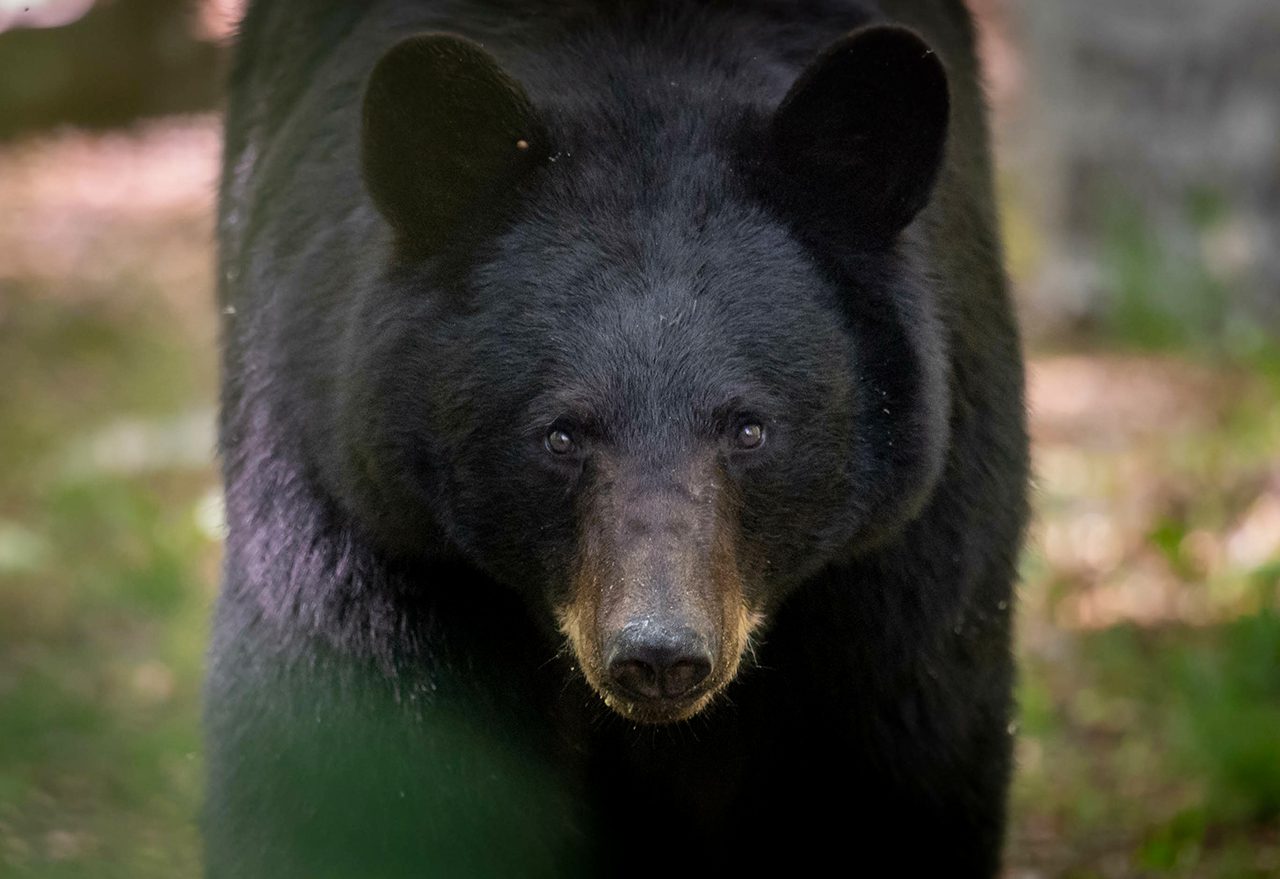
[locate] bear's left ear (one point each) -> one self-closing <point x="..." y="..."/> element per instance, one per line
<point x="446" y="131"/>
<point x="860" y="136"/>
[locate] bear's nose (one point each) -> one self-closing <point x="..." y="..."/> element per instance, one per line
<point x="655" y="662"/>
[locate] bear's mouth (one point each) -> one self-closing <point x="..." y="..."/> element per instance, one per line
<point x="658" y="711"/>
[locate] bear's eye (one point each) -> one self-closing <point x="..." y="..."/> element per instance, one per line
<point x="558" y="441"/>
<point x="750" y="435"/>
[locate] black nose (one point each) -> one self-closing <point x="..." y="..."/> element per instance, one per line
<point x="654" y="662"/>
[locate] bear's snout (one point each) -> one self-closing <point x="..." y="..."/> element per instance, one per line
<point x="658" y="618"/>
<point x="649" y="660"/>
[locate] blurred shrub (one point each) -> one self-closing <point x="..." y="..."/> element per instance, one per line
<point x="1230" y="715"/>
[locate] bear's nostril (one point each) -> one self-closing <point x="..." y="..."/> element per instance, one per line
<point x="684" y="676"/>
<point x="636" y="677"/>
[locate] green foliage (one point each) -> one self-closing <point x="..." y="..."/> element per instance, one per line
<point x="1176" y="844"/>
<point x="98" y="736"/>
<point x="1160" y="299"/>
<point x="1166" y="291"/>
<point x="105" y="584"/>
<point x="1162" y="745"/>
<point x="1229" y="705"/>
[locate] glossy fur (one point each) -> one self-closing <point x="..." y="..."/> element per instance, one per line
<point x="398" y="685"/>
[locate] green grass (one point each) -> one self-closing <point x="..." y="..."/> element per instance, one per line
<point x="1156" y="752"/>
<point x="105" y="586"/>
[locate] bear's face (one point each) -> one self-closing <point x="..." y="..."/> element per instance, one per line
<point x="660" y="446"/>
<point x="649" y="407"/>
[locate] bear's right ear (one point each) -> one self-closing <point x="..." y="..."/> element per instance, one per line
<point x="445" y="130"/>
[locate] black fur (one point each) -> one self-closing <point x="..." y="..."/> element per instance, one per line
<point x="388" y="695"/>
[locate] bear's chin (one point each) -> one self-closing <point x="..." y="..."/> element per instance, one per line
<point x="657" y="712"/>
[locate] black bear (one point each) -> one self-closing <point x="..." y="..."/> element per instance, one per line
<point x="623" y="435"/>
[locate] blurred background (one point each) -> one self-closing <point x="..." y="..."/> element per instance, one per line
<point x="1139" y="147"/>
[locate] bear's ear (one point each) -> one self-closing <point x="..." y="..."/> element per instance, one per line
<point x="860" y="135"/>
<point x="445" y="130"/>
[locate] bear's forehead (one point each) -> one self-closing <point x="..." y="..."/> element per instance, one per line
<point x="596" y="231"/>
<point x="666" y="336"/>
<point x="660" y="282"/>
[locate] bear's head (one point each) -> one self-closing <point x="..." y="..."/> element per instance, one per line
<point x="651" y="358"/>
